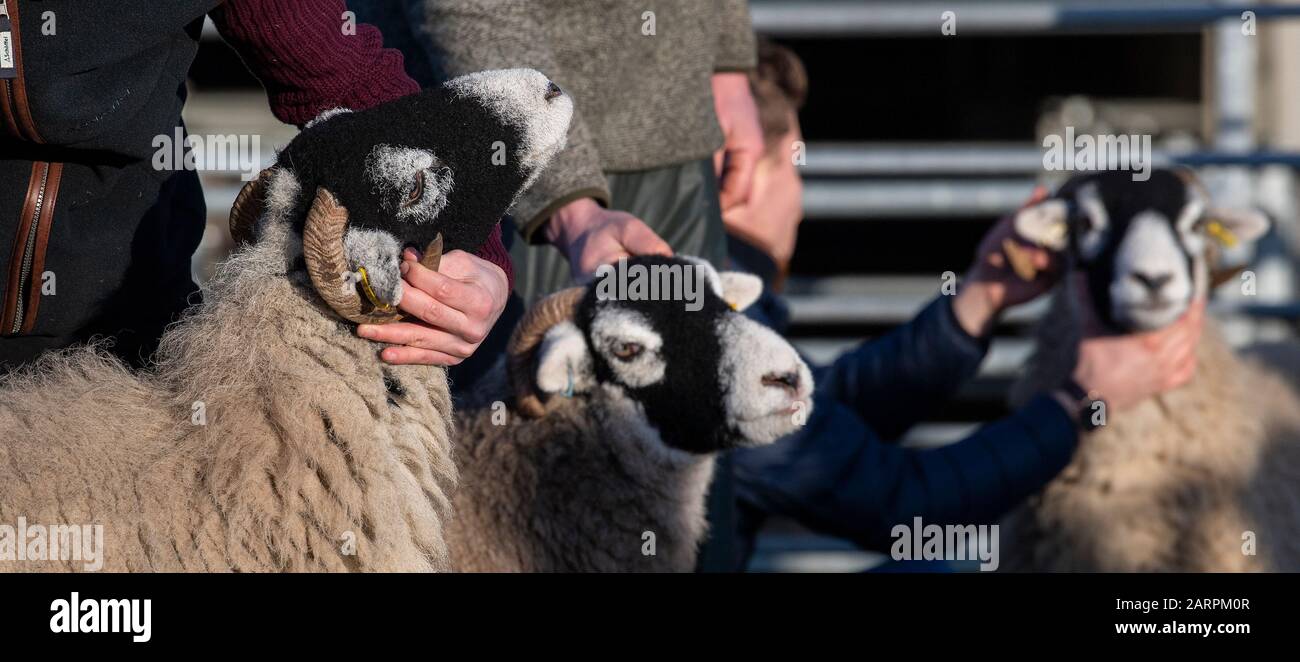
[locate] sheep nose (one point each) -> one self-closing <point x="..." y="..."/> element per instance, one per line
<point x="1153" y="282"/>
<point x="786" y="380"/>
<point x="552" y="90"/>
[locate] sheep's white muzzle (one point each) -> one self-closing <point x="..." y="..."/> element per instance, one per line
<point x="770" y="392"/>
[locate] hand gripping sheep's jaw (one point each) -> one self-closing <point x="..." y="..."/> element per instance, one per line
<point x="435" y="169"/>
<point x="704" y="376"/>
<point x="1146" y="249"/>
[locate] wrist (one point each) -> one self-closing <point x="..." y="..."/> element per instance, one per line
<point x="724" y="82"/>
<point x="1067" y="403"/>
<point x="976" y="308"/>
<point x="569" y="222"/>
<point x="1081" y="404"/>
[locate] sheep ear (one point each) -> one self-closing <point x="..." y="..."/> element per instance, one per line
<point x="1044" y="224"/>
<point x="739" y="289"/>
<point x="563" y="362"/>
<point x="1244" y="225"/>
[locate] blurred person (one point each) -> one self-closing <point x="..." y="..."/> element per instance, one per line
<point x="843" y="473"/>
<point x="82" y="201"/>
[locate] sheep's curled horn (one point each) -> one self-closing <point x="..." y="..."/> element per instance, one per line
<point x="322" y="249"/>
<point x="527" y="337"/>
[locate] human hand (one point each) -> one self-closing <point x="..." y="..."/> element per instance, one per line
<point x="991" y="285"/>
<point x="589" y="235"/>
<point x="770" y="220"/>
<point x="1125" y="370"/>
<point x="455" y="306"/>
<point x="742" y="133"/>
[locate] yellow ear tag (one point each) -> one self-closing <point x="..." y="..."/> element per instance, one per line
<point x="370" y="293"/>
<point x="1222" y="233"/>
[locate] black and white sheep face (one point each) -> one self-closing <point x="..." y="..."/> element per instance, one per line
<point x="1145" y="246"/>
<point x="707" y="379"/>
<point x="447" y="161"/>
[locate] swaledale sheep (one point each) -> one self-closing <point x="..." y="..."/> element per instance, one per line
<point x="1202" y="478"/>
<point x="621" y="405"/>
<point x="268" y="437"/>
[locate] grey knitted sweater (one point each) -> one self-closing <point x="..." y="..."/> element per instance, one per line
<point x="638" y="71"/>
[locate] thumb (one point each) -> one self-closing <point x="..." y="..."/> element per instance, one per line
<point x="739" y="178"/>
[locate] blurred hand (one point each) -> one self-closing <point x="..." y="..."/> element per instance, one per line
<point x="589" y="235"/>
<point x="1125" y="370"/>
<point x="770" y="219"/>
<point x="456" y="307"/>
<point x="742" y="144"/>
<point x="991" y="286"/>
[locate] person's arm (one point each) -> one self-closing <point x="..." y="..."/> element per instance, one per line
<point x="835" y="476"/>
<point x="891" y="381"/>
<point x="307" y="59"/>
<point x="897" y="379"/>
<point x="733" y="103"/>
<point x="736" y="49"/>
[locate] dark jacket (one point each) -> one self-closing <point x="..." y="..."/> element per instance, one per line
<point x="95" y="239"/>
<point x="840" y="476"/>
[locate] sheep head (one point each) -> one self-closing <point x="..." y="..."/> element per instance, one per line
<point x="434" y="171"/>
<point x="1146" y="248"/>
<point x="702" y="374"/>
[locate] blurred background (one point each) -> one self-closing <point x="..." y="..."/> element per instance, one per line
<point x="917" y="141"/>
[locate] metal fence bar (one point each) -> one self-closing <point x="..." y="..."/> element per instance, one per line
<point x="829" y="18"/>
<point x="840" y="159"/>
<point x="857" y="199"/>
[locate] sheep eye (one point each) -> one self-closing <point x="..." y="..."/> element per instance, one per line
<point x="626" y="351"/>
<point x="417" y="190"/>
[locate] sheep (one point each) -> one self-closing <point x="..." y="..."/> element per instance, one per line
<point x="268" y="436"/>
<point x="603" y="462"/>
<point x="1202" y="478"/>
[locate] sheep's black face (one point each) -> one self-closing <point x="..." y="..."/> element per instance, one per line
<point x="1142" y="245"/>
<point x="449" y="160"/>
<point x="705" y="376"/>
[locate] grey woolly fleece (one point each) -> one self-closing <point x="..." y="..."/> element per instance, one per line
<point x="641" y="101"/>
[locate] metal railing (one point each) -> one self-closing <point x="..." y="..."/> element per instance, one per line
<point x="832" y="19"/>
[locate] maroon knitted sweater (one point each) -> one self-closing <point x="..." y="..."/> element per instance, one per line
<point x="311" y="58"/>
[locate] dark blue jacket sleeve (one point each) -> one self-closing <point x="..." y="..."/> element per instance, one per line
<point x="892" y="381"/>
<point x="899" y="378"/>
<point x="836" y="476"/>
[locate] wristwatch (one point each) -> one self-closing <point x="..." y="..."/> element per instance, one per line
<point x="1085" y="405"/>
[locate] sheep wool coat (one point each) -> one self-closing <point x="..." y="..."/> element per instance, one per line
<point x="1205" y="478"/>
<point x="267" y="439"/>
<point x="639" y="507"/>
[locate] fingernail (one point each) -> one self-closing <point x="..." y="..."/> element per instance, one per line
<point x="404" y="267"/>
<point x="366" y="331"/>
